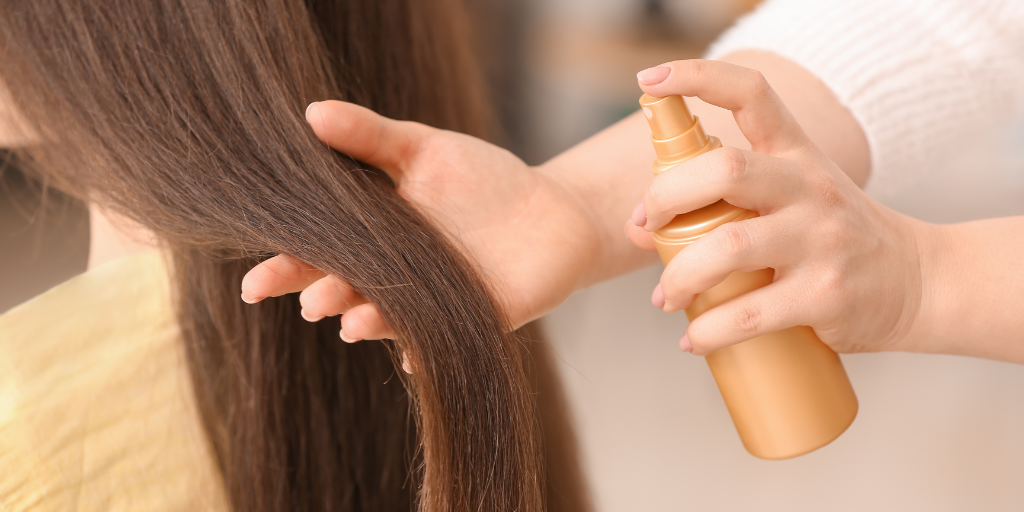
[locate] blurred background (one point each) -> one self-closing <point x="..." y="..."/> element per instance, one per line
<point x="934" y="433"/>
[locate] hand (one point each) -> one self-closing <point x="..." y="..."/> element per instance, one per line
<point x="844" y="264"/>
<point x="532" y="240"/>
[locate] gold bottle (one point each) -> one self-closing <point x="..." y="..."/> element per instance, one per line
<point x="787" y="392"/>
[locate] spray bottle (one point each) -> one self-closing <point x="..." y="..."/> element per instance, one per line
<point x="787" y="392"/>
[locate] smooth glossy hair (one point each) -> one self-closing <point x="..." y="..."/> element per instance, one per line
<point x="187" y="117"/>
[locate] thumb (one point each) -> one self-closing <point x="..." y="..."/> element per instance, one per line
<point x="367" y="136"/>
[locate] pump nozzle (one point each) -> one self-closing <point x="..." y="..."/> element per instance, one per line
<point x="677" y="134"/>
<point x="667" y="116"/>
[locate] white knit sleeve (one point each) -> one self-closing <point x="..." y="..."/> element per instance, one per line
<point x="919" y="75"/>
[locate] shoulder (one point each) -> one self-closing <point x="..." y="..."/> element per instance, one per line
<point x="96" y="407"/>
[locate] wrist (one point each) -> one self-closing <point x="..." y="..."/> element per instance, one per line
<point x="574" y="216"/>
<point x="935" y="247"/>
<point x="604" y="177"/>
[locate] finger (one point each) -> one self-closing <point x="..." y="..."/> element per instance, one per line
<point x="759" y="112"/>
<point x="640" y="237"/>
<point x="367" y="136"/>
<point x="772" y="308"/>
<point x="328" y="296"/>
<point x="407" y="363"/>
<point x="746" y="179"/>
<point x="745" y="246"/>
<point x="364" y="322"/>
<point x="277" y="276"/>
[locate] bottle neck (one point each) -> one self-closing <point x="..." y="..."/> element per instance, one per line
<point x="678" y="136"/>
<point x="676" y="150"/>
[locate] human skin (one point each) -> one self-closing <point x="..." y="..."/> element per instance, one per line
<point x="864" y="277"/>
<point x="539" y="233"/>
<point x="111" y="236"/>
<point x="968" y="280"/>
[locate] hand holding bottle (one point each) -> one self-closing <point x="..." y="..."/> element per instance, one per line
<point x="844" y="264"/>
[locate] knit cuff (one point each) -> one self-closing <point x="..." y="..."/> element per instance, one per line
<point x="919" y="76"/>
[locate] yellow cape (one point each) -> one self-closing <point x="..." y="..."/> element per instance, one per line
<point x="96" y="406"/>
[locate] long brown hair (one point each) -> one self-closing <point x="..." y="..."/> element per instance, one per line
<point x="186" y="116"/>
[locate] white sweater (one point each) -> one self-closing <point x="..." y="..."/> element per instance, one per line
<point x="920" y="76"/>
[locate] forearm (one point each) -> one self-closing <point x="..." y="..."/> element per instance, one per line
<point x="972" y="290"/>
<point x="609" y="172"/>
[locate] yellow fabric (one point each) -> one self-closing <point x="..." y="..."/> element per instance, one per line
<point x="96" y="406"/>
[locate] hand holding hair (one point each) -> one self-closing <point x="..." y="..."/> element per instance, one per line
<point x="504" y="214"/>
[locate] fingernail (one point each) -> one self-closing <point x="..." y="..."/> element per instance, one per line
<point x="309" y="107"/>
<point x="310" y="319"/>
<point x="406" y="364"/>
<point x="684" y="344"/>
<point x="250" y="301"/>
<point x="658" y="297"/>
<point x="653" y="76"/>
<point x="346" y="339"/>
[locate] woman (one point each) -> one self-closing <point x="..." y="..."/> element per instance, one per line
<point x="886" y="108"/>
<point x="182" y="118"/>
<point x="886" y="90"/>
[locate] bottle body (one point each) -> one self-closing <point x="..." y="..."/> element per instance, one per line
<point x="787" y="392"/>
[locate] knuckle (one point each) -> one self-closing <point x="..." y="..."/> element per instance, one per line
<point x="340" y="295"/>
<point x="733" y="164"/>
<point x="291" y="269"/>
<point x="759" y="86"/>
<point x="693" y="70"/>
<point x="827" y="190"/>
<point x="287" y="269"/>
<point x="832" y="282"/>
<point x="748" y="318"/>
<point x="698" y="69"/>
<point x="733" y="240"/>
<point x="338" y="285"/>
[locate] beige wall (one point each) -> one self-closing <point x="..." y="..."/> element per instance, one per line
<point x="41" y="245"/>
